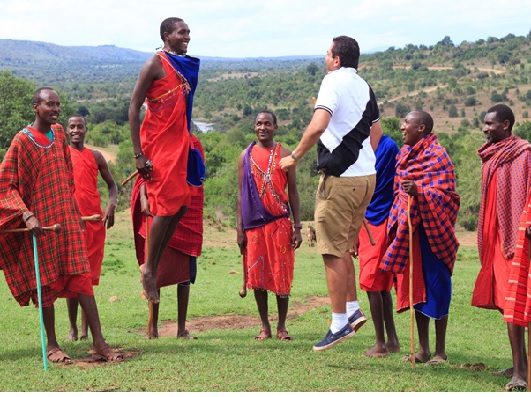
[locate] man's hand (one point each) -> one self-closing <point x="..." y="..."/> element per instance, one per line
<point x="297" y="238"/>
<point x="287" y="162"/>
<point x="108" y="217"/>
<point x="34" y="226"/>
<point x="144" y="167"/>
<point x="410" y="188"/>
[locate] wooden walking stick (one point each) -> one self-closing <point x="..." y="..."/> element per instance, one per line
<point x="129" y="178"/>
<point x="243" y="291"/>
<point x="411" y="309"/>
<point x="150" y="303"/>
<point x="92" y="218"/>
<point x="55" y="228"/>
<point x="371" y="239"/>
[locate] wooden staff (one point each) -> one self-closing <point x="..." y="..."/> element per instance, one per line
<point x="243" y="291"/>
<point x="150" y="303"/>
<point x="92" y="218"/>
<point x="55" y="228"/>
<point x="129" y="177"/>
<point x="411" y="309"/>
<point x="371" y="239"/>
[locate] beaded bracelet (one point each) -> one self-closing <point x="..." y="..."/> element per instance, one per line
<point x="297" y="226"/>
<point x="137" y="155"/>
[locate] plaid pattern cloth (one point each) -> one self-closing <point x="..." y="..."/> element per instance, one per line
<point x="436" y="206"/>
<point x="39" y="179"/>
<point x="511" y="160"/>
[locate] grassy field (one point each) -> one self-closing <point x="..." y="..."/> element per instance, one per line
<point x="225" y="357"/>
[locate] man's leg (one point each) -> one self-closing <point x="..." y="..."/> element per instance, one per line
<point x="84" y="326"/>
<point x="161" y="230"/>
<point x="423" y="329"/>
<point x="155" y="322"/>
<point x="101" y="348"/>
<point x="183" y="297"/>
<point x="377" y="313"/>
<point x="356" y="318"/>
<point x="393" y="345"/>
<point x="338" y="280"/>
<point x="261" y="301"/>
<point x="54" y="352"/>
<point x="71" y="304"/>
<point x="282" y="305"/>
<point x="440" y="339"/>
<point x="518" y="350"/>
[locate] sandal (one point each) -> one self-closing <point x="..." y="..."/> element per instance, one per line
<point x="516" y="384"/>
<point x="282" y="334"/>
<point x="107" y="354"/>
<point x="418" y="358"/>
<point x="507" y="373"/>
<point x="186" y="335"/>
<point x="264" y="334"/>
<point x="57" y="356"/>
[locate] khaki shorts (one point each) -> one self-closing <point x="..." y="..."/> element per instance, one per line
<point x="340" y="206"/>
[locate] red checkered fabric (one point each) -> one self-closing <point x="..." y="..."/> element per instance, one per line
<point x="511" y="160"/>
<point x="39" y="178"/>
<point x="436" y="205"/>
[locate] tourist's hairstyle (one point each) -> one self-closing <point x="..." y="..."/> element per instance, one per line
<point x="503" y="112"/>
<point x="268" y="112"/>
<point x="348" y="51"/>
<point x="168" y="26"/>
<point x="37" y="95"/>
<point x="424" y="118"/>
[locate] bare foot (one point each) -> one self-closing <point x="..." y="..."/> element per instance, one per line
<point x="154" y="332"/>
<point x="72" y="336"/>
<point x="149" y="283"/>
<point x="393" y="347"/>
<point x="378" y="351"/>
<point x="84" y="337"/>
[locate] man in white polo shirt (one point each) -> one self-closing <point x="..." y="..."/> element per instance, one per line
<point x="346" y="128"/>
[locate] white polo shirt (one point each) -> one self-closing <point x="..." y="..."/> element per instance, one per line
<point x="344" y="148"/>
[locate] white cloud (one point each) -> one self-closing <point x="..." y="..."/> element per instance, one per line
<point x="244" y="28"/>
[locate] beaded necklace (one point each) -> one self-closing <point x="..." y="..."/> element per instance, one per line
<point x="267" y="176"/>
<point x="50" y="135"/>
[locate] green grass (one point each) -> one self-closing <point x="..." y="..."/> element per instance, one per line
<point x="230" y="360"/>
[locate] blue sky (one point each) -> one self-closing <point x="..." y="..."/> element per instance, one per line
<point x="251" y="28"/>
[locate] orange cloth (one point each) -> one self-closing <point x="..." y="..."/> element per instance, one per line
<point x="371" y="278"/>
<point x="493" y="278"/>
<point x="402" y="280"/>
<point x="89" y="203"/>
<point x="269" y="256"/>
<point x="165" y="140"/>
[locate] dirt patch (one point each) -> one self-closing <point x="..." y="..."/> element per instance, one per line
<point x="90" y="362"/>
<point x="201" y="324"/>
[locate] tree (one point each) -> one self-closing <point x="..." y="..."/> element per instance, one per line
<point x="16" y="112"/>
<point x="312" y="68"/>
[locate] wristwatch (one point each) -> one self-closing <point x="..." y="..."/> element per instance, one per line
<point x="27" y="215"/>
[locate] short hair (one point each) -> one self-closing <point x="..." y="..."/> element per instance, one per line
<point x="348" y="51"/>
<point x="37" y="95"/>
<point x="81" y="117"/>
<point x="503" y="112"/>
<point x="168" y="26"/>
<point x="424" y="118"/>
<point x="267" y="112"/>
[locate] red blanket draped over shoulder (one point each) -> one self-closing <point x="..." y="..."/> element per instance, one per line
<point x="510" y="159"/>
<point x="436" y="205"/>
<point x="36" y="176"/>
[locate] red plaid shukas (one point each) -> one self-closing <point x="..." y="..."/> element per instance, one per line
<point x="436" y="205"/>
<point x="39" y="179"/>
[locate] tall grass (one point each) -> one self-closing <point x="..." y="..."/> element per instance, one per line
<point x="230" y="360"/>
